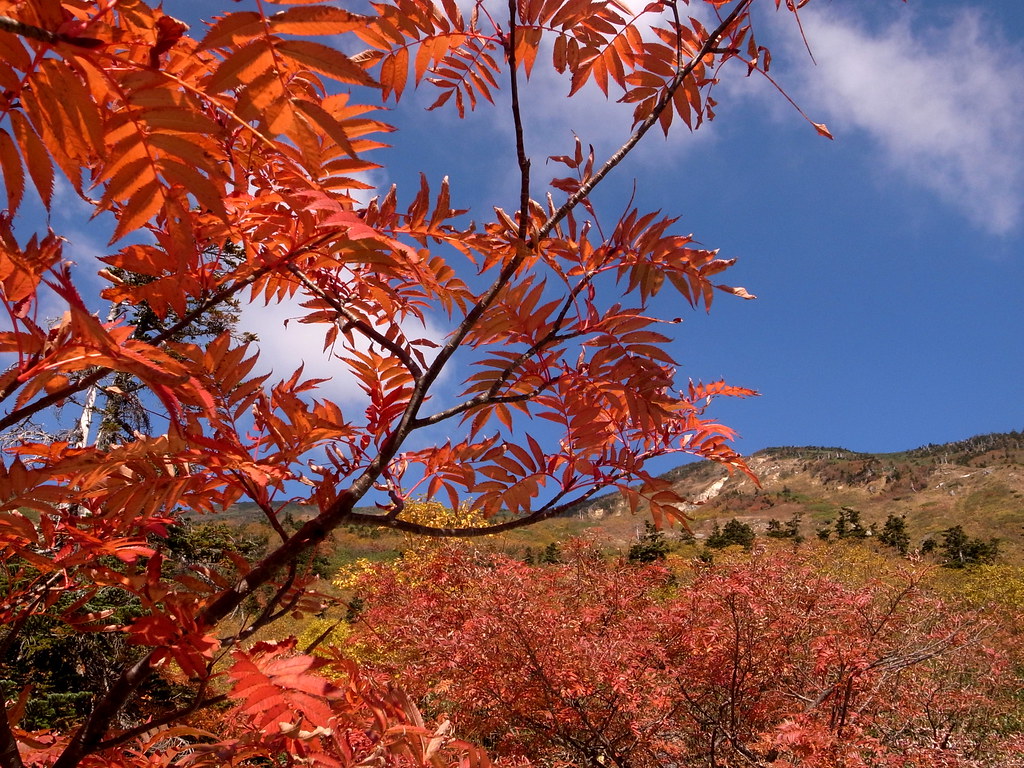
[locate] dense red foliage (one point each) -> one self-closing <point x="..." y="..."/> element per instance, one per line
<point x="768" y="661"/>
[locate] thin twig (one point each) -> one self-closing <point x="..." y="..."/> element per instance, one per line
<point x="491" y="395"/>
<point x="517" y="118"/>
<point x="354" y="322"/>
<point x="485" y="399"/>
<point x="20" y="414"/>
<point x="664" y="103"/>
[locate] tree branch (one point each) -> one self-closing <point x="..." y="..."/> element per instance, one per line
<point x="552" y="509"/>
<point x="10" y="757"/>
<point x="664" y="103"/>
<point x="268" y="614"/>
<point x="20" y="414"/>
<point x="490" y="396"/>
<point x="517" y="118"/>
<point x="104" y="711"/>
<point x="90" y="735"/>
<point x="7" y="24"/>
<point x="141" y="730"/>
<point x="482" y="400"/>
<point x="364" y="328"/>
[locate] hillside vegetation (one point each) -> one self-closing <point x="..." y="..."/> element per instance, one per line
<point x="977" y="484"/>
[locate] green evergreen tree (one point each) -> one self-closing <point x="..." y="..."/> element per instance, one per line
<point x="66" y="666"/>
<point x="848" y="525"/>
<point x="894" y="534"/>
<point x="124" y="413"/>
<point x="792" y="528"/>
<point x="788" y="530"/>
<point x="552" y="554"/>
<point x="650" y="547"/>
<point x="958" y="550"/>
<point x="732" y="533"/>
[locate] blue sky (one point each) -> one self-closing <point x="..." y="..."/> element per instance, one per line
<point x="888" y="263"/>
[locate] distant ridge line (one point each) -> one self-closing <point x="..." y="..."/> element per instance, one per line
<point x="978" y="443"/>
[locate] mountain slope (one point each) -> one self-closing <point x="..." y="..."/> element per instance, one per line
<point x="976" y="483"/>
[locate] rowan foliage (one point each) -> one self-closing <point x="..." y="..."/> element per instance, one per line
<point x="231" y="160"/>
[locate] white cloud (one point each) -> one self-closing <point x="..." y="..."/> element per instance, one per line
<point x="376" y="178"/>
<point x="85" y="249"/>
<point x="943" y="100"/>
<point x="285" y="344"/>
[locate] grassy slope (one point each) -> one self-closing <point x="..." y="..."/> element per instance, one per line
<point x="977" y="483"/>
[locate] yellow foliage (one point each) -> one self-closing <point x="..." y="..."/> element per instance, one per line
<point x="988" y="585"/>
<point x="337" y="633"/>
<point x="348" y="575"/>
<point x="339" y="638"/>
<point x="855" y="565"/>
<point x="436" y="515"/>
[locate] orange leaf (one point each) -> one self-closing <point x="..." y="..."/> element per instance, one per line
<point x="233" y="29"/>
<point x="14" y="174"/>
<point x="83" y="125"/>
<point x="36" y="157"/>
<point x="21" y="271"/>
<point x="394" y="71"/>
<point x="325" y="60"/>
<point x="316" y="20"/>
<point x="181" y="148"/>
<point x="13" y="52"/>
<point x="201" y="188"/>
<point x="142" y="206"/>
<point x="323" y="119"/>
<point x="179" y="119"/>
<point x="127" y="181"/>
<point x="242" y="66"/>
<point x="55" y="384"/>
